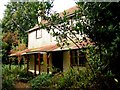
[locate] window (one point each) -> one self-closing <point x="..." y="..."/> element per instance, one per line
<point x="78" y="58"/>
<point x="38" y="34"/>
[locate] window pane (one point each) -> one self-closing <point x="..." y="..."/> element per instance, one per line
<point x="82" y="59"/>
<point x="78" y="59"/>
<point x="74" y="60"/>
<point x="38" y="33"/>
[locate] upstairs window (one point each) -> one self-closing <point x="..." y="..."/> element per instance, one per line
<point x="78" y="58"/>
<point x="38" y="33"/>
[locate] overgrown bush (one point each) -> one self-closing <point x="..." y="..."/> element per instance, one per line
<point x="25" y="76"/>
<point x="71" y="79"/>
<point x="104" y="82"/>
<point x="8" y="82"/>
<point x="74" y="79"/>
<point x="9" y="76"/>
<point x="41" y="81"/>
<point x="103" y="76"/>
<point x="67" y="80"/>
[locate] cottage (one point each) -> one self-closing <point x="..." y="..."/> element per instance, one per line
<point x="44" y="55"/>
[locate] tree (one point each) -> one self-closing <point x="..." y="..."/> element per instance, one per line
<point x="103" y="28"/>
<point x="97" y="21"/>
<point x="61" y="21"/>
<point x="20" y="16"/>
<point x="9" y="39"/>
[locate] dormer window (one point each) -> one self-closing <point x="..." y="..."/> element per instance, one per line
<point x="38" y="33"/>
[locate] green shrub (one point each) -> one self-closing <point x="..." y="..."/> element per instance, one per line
<point x="8" y="82"/>
<point x="12" y="75"/>
<point x="41" y="81"/>
<point x="67" y="80"/>
<point x="25" y="76"/>
<point x="71" y="79"/>
<point x="14" y="70"/>
<point x="8" y="78"/>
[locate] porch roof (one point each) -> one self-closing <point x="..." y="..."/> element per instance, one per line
<point x="52" y="48"/>
<point x="20" y="52"/>
<point x="45" y="48"/>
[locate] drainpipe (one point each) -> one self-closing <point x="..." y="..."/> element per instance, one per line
<point x="35" y="64"/>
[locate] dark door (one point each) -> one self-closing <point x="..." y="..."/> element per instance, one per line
<point x="57" y="61"/>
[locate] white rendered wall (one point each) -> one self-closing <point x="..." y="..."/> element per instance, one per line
<point x="45" y="39"/>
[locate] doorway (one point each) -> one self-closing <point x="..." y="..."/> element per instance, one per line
<point x="57" y="61"/>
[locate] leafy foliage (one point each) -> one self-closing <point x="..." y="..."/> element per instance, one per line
<point x="70" y="79"/>
<point x="98" y="21"/>
<point x="7" y="84"/>
<point x="20" y="16"/>
<point x="41" y="81"/>
<point x="103" y="28"/>
<point x="9" y="39"/>
<point x="74" y="79"/>
<point x="10" y="76"/>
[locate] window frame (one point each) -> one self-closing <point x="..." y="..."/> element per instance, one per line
<point x="38" y="36"/>
<point x="77" y="58"/>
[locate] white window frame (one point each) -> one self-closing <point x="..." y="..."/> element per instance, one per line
<point x="38" y="33"/>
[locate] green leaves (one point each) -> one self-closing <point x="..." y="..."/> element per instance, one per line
<point x="41" y="81"/>
<point x="20" y="16"/>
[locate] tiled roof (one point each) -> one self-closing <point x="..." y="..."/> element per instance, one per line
<point x="44" y="48"/>
<point x="20" y="52"/>
<point x="69" y="11"/>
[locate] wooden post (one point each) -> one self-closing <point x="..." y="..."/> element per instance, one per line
<point x="70" y="58"/>
<point x="19" y="61"/>
<point x="20" y="64"/>
<point x="39" y="62"/>
<point x="24" y="60"/>
<point x="9" y="63"/>
<point x="48" y="63"/>
<point x="35" y="64"/>
<point x="27" y="62"/>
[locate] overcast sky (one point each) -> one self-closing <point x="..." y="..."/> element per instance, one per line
<point x="2" y="7"/>
<point x="59" y="5"/>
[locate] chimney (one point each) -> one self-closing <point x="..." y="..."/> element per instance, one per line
<point x="39" y="17"/>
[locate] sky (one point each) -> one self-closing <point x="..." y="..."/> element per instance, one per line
<point x="2" y="7"/>
<point x="59" y="5"/>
